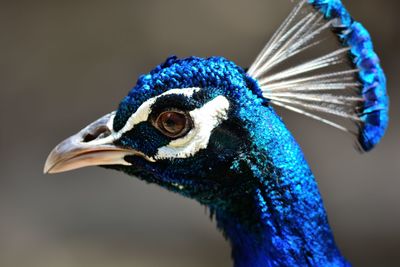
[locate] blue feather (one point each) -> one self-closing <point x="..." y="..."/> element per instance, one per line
<point x="375" y="112"/>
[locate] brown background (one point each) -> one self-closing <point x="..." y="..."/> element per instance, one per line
<point x="65" y="63"/>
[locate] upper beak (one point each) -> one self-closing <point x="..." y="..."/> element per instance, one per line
<point x="94" y="145"/>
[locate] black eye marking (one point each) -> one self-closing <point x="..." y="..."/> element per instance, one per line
<point x="145" y="138"/>
<point x="173" y="123"/>
<point x="174" y="101"/>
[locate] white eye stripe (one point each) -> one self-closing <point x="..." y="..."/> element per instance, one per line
<point x="205" y="120"/>
<point x="140" y="115"/>
<point x="143" y="112"/>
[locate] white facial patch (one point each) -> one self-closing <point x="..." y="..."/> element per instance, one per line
<point x="143" y="112"/>
<point x="205" y="120"/>
<point x="141" y="115"/>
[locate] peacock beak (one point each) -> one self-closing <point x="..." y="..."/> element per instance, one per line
<point x="93" y="145"/>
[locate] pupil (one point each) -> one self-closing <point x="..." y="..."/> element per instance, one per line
<point x="173" y="122"/>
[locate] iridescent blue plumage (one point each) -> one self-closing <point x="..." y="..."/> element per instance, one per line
<point x="263" y="193"/>
<point x="205" y="128"/>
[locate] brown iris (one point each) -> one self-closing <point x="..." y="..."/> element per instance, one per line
<point x="173" y="123"/>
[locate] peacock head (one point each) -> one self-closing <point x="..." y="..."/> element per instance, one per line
<point x="181" y="127"/>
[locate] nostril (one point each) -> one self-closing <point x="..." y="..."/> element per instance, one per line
<point x="98" y="133"/>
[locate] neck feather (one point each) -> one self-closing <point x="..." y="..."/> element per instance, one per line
<point x="282" y="221"/>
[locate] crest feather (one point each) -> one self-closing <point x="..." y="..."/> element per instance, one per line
<point x="344" y="80"/>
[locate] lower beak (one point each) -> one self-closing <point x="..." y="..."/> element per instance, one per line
<point x="94" y="145"/>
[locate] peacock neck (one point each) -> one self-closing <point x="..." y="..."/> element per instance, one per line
<point x="281" y="221"/>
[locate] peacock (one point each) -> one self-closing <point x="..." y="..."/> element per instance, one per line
<point x="207" y="129"/>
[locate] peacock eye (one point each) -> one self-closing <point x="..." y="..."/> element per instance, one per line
<point x="173" y="123"/>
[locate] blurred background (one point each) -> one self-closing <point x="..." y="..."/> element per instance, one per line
<point x="65" y="63"/>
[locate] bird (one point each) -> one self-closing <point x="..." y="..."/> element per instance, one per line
<point x="207" y="129"/>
